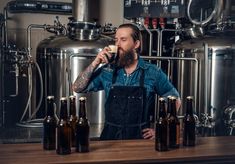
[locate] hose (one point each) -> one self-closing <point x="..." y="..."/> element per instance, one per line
<point x="30" y="91"/>
<point x="41" y="91"/>
<point x="29" y="122"/>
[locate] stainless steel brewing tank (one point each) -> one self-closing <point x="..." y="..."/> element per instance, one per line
<point x="61" y="59"/>
<point x="212" y="83"/>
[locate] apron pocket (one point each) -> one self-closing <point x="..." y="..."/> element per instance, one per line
<point x="135" y="107"/>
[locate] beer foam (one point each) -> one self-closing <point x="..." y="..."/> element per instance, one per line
<point x="113" y="49"/>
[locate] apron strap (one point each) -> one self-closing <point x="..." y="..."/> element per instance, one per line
<point x="141" y="76"/>
<point x="114" y="75"/>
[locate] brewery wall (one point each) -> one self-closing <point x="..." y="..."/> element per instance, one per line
<point x="103" y="11"/>
<point x="194" y="48"/>
<point x="17" y="25"/>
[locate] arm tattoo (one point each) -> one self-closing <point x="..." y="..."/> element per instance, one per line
<point x="83" y="78"/>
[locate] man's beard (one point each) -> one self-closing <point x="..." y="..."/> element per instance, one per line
<point x="126" y="58"/>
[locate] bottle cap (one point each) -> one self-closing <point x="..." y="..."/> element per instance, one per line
<point x="173" y="98"/>
<point x="189" y="97"/>
<point x="82" y="98"/>
<point x="169" y="97"/>
<point x="72" y="97"/>
<point x="50" y="97"/>
<point x="63" y="98"/>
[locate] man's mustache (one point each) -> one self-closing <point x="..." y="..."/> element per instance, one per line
<point x="121" y="50"/>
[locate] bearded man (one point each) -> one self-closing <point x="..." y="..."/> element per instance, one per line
<point x="130" y="85"/>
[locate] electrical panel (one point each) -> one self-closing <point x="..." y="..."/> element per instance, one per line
<point x="154" y="8"/>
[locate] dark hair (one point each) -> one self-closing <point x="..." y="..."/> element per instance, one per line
<point x="136" y="34"/>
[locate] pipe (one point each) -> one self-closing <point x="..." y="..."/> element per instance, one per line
<point x="168" y="58"/>
<point x="202" y="23"/>
<point x="16" y="81"/>
<point x="158" y="40"/>
<point x="38" y="26"/>
<point x="2" y="88"/>
<point x="80" y="10"/>
<point x="220" y="8"/>
<point x="29" y="55"/>
<point x="150" y="40"/>
<point x="5" y="32"/>
<point x="29" y="35"/>
<point x="1" y="27"/>
<point x="227" y="8"/>
<point x="206" y="53"/>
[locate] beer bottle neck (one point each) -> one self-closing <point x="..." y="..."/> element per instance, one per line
<point x="82" y="109"/>
<point x="173" y="107"/>
<point x="50" y="108"/>
<point x="72" y="108"/>
<point x="189" y="109"/>
<point x="169" y="101"/>
<point x="63" y="110"/>
<point x="162" y="109"/>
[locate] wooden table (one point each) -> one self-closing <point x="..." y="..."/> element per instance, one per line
<point x="207" y="150"/>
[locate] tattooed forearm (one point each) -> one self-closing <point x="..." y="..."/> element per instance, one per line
<point x="83" y="78"/>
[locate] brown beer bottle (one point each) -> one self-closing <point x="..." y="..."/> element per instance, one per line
<point x="174" y="125"/>
<point x="63" y="130"/>
<point x="49" y="125"/>
<point x="189" y="122"/>
<point x="161" y="128"/>
<point x="82" y="128"/>
<point x="72" y="117"/>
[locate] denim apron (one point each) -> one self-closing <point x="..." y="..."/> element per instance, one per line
<point x="125" y="116"/>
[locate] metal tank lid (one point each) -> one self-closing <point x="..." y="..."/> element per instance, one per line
<point x="221" y="41"/>
<point x="83" y="30"/>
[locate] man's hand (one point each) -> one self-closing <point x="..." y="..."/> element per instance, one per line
<point x="148" y="133"/>
<point x="102" y="57"/>
<point x="83" y="78"/>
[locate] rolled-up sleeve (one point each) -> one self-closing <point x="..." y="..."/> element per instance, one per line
<point x="163" y="86"/>
<point x="95" y="83"/>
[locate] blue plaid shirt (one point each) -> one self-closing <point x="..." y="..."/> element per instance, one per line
<point x="155" y="80"/>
